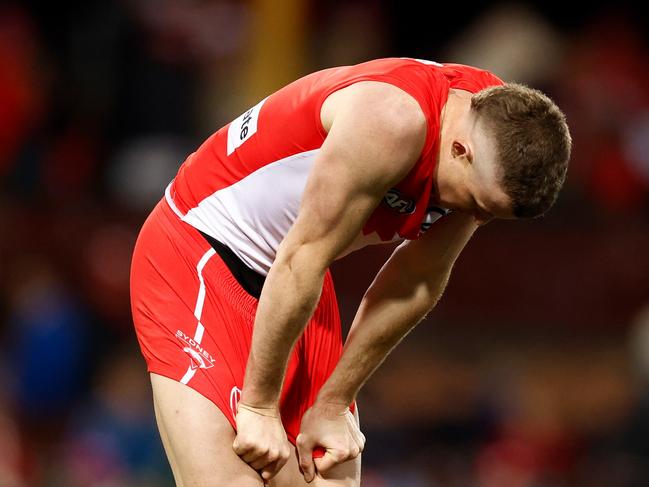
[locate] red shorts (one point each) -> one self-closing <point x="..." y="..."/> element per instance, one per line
<point x="194" y="321"/>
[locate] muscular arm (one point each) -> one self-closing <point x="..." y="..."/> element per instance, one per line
<point x="405" y="289"/>
<point x="375" y="138"/>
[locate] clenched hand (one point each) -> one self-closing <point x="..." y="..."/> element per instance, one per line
<point x="333" y="428"/>
<point x="261" y="440"/>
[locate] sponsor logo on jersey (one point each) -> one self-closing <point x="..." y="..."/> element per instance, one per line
<point x="395" y="200"/>
<point x="243" y="127"/>
<point x="200" y="358"/>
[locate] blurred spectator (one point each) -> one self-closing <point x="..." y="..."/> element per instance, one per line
<point x="352" y="33"/>
<point x="47" y="330"/>
<point x="21" y="98"/>
<point x="106" y="259"/>
<point x="505" y="38"/>
<point x="605" y="93"/>
<point x="112" y="440"/>
<point x="11" y="446"/>
<point x="142" y="168"/>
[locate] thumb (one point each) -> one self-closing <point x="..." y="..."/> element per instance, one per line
<point x="305" y="457"/>
<point x="328" y="461"/>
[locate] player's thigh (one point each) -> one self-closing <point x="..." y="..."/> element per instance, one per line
<point x="198" y="438"/>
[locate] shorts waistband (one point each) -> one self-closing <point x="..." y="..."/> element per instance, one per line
<point x="251" y="281"/>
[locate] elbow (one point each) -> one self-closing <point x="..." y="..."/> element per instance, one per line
<point x="301" y="258"/>
<point x="436" y="286"/>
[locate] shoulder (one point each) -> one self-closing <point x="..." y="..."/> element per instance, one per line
<point x="375" y="130"/>
<point x="383" y="105"/>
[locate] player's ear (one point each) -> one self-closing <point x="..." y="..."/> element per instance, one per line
<point x="461" y="150"/>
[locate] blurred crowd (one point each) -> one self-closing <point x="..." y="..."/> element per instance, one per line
<point x="534" y="372"/>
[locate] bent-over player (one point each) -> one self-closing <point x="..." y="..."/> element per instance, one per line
<point x="233" y="303"/>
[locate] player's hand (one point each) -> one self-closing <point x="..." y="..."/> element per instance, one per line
<point x="261" y="440"/>
<point x="332" y="428"/>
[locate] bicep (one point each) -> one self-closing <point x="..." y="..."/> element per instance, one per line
<point x="370" y="146"/>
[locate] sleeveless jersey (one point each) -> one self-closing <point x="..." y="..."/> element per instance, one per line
<point x="244" y="184"/>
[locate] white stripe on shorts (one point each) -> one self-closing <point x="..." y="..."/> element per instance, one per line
<point x="198" y="309"/>
<point x="170" y="201"/>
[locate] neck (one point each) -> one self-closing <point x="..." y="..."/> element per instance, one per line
<point x="454" y="119"/>
<point x="453" y="126"/>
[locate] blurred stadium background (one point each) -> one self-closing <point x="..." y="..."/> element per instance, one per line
<point x="532" y="372"/>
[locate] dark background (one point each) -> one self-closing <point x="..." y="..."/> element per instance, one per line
<point x="532" y="372"/>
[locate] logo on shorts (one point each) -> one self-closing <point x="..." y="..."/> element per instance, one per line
<point x="200" y="358"/>
<point x="235" y="397"/>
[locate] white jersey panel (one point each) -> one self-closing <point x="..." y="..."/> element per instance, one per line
<point x="253" y="215"/>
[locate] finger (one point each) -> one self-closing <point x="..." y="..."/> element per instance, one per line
<point x="355" y="428"/>
<point x="353" y="452"/>
<point x="275" y="462"/>
<point x="241" y="447"/>
<point x="283" y="459"/>
<point x="260" y="463"/>
<point x="330" y="459"/>
<point x="355" y="431"/>
<point x="247" y="451"/>
<point x="305" y="457"/>
<point x="271" y="456"/>
<point x="272" y="469"/>
<point x="254" y="455"/>
<point x="269" y="471"/>
<point x="359" y="440"/>
<point x="362" y="441"/>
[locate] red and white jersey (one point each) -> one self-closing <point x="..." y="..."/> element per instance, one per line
<point x="244" y="184"/>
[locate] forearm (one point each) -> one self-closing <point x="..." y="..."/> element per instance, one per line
<point x="381" y="321"/>
<point x="288" y="299"/>
<point x="406" y="288"/>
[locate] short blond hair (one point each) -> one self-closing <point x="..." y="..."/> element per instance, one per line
<point x="533" y="144"/>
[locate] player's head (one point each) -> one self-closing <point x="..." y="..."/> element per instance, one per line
<point x="531" y="141"/>
<point x="515" y="152"/>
